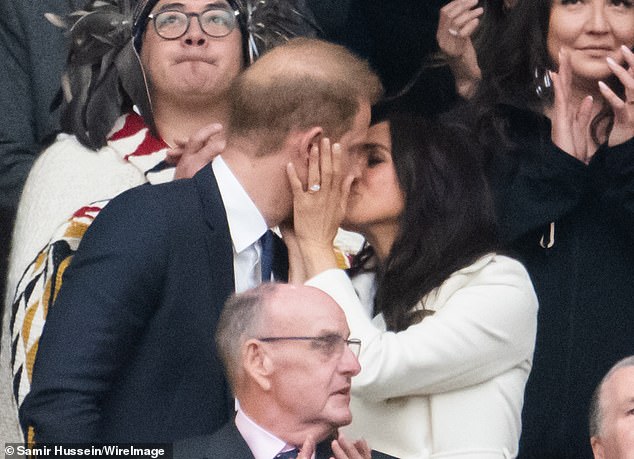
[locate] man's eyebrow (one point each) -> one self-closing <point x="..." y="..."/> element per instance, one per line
<point x="171" y="6"/>
<point x="323" y="333"/>
<point x="181" y="6"/>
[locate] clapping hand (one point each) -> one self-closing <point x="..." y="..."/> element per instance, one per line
<point x="341" y="449"/>
<point x="623" y="128"/>
<point x="570" y="124"/>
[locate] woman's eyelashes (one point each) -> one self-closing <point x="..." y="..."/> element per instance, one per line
<point x="374" y="160"/>
<point x="375" y="155"/>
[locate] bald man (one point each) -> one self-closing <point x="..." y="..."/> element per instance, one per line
<point x="612" y="413"/>
<point x="289" y="360"/>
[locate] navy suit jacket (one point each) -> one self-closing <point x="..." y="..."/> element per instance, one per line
<point x="227" y="443"/>
<point x="128" y="353"/>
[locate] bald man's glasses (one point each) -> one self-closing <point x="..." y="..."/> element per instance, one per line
<point x="215" y="22"/>
<point x="330" y="345"/>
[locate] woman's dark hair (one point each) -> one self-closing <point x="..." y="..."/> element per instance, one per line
<point x="491" y="22"/>
<point x="448" y="219"/>
<point x="516" y="64"/>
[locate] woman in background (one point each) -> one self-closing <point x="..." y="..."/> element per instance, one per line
<point x="447" y="324"/>
<point x="556" y="110"/>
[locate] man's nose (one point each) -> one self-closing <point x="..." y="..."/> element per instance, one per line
<point x="349" y="363"/>
<point x="195" y="36"/>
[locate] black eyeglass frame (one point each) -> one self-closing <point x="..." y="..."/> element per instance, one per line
<point x="324" y="339"/>
<point x="189" y="17"/>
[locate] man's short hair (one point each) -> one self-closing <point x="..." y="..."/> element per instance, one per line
<point x="240" y="320"/>
<point x="596" y="410"/>
<point x="298" y="85"/>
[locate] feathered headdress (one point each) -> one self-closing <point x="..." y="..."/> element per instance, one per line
<point x="264" y="23"/>
<point x="103" y="77"/>
<point x="269" y="23"/>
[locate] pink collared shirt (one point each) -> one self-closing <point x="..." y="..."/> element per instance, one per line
<point x="263" y="444"/>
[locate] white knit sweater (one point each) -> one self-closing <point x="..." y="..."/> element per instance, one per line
<point x="66" y="177"/>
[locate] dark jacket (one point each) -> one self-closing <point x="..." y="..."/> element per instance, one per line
<point x="227" y="443"/>
<point x="33" y="52"/>
<point x="127" y="353"/>
<point x="584" y="281"/>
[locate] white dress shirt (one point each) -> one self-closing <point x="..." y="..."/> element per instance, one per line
<point x="246" y="226"/>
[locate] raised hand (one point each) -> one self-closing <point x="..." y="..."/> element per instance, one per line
<point x="191" y="155"/>
<point x="319" y="210"/>
<point x="623" y="128"/>
<point x="458" y="20"/>
<point x="307" y="449"/>
<point x="570" y="124"/>
<point x="344" y="449"/>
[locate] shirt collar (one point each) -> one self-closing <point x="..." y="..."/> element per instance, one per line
<point x="263" y="444"/>
<point x="246" y="223"/>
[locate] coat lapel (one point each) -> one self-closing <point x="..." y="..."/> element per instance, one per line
<point x="218" y="238"/>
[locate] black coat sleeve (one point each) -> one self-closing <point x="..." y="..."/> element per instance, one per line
<point x="612" y="171"/>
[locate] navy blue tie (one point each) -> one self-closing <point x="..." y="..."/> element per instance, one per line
<point x="266" y="259"/>
<point x="292" y="454"/>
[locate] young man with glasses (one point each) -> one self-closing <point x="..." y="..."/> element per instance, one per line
<point x="289" y="360"/>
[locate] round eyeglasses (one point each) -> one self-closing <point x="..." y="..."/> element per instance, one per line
<point x="329" y="345"/>
<point x="215" y="22"/>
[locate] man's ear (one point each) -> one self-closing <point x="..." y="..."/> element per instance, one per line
<point x="309" y="138"/>
<point x="597" y="448"/>
<point x="257" y="363"/>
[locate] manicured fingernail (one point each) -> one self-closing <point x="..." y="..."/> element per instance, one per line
<point x="625" y="49"/>
<point x="611" y="61"/>
<point x="453" y="32"/>
<point x="336" y="147"/>
<point x="602" y="85"/>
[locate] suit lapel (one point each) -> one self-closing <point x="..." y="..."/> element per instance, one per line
<point x="229" y="444"/>
<point x="323" y="450"/>
<point x="219" y="247"/>
<point x="218" y="238"/>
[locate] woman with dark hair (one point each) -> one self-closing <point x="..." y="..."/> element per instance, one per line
<point x="447" y="324"/>
<point x="556" y="112"/>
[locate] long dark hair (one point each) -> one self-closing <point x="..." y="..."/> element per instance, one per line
<point x="517" y="62"/>
<point x="448" y="219"/>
